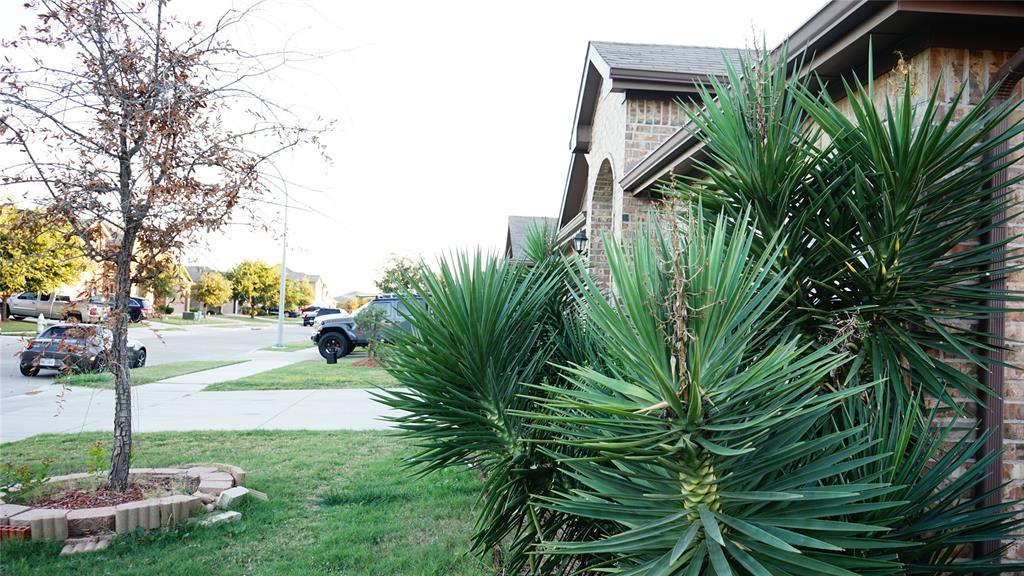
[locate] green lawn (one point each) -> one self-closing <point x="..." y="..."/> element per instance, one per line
<point x="17" y="326"/>
<point x="340" y="504"/>
<point x="291" y="346"/>
<point x="179" y="321"/>
<point x="146" y="374"/>
<point x="313" y="374"/>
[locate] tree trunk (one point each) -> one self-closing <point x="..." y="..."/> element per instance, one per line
<point x="3" y="306"/>
<point x="120" y="455"/>
<point x="117" y="362"/>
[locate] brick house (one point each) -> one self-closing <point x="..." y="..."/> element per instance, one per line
<point x="628" y="135"/>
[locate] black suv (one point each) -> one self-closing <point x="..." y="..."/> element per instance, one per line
<point x="339" y="334"/>
<point x="309" y="317"/>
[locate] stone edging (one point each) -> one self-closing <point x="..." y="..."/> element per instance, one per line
<point x="149" y="514"/>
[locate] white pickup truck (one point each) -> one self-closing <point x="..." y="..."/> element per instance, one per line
<point x="56" y="306"/>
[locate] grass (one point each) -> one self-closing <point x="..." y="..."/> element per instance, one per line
<point x="17" y="327"/>
<point x="146" y="374"/>
<point x="291" y="346"/>
<point x="340" y="503"/>
<point x="179" y="321"/>
<point x="313" y="375"/>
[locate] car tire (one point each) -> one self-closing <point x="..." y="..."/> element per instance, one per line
<point x="333" y="341"/>
<point x="76" y="316"/>
<point x="140" y="360"/>
<point x="99" y="365"/>
<point x="29" y="370"/>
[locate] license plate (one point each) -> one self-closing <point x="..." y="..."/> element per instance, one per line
<point x="47" y="361"/>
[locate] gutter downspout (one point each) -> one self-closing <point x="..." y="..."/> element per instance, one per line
<point x="990" y="417"/>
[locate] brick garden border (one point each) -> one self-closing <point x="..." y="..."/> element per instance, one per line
<point x="150" y="514"/>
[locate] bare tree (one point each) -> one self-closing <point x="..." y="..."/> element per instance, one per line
<point x="150" y="135"/>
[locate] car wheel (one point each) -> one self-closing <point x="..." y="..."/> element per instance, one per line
<point x="76" y="316"/>
<point x="29" y="370"/>
<point x="99" y="365"/>
<point x="335" y="343"/>
<point x="140" y="360"/>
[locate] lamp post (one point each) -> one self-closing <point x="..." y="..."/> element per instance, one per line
<point x="579" y="242"/>
<point x="284" y="254"/>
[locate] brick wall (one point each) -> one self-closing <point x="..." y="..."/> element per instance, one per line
<point x="649" y="122"/>
<point x="950" y="70"/>
<point x="626" y="129"/>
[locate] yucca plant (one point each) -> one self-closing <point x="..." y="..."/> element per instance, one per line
<point x="489" y="327"/>
<point x="702" y="441"/>
<point x="712" y="442"/>
<point x="883" y="212"/>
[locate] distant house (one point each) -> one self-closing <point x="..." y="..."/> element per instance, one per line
<point x="185" y="295"/>
<point x="321" y="294"/>
<point x="519" y="227"/>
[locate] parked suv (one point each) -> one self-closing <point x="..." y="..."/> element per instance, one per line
<point x="339" y="334"/>
<point x="56" y="306"/>
<point x="310" y="317"/>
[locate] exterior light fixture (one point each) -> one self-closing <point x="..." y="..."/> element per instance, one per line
<point x="579" y="242"/>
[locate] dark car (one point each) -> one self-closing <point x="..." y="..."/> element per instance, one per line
<point x="75" y="348"/>
<point x="139" y="309"/>
<point x="340" y="334"/>
<point x="288" y="313"/>
<point x="309" y="317"/>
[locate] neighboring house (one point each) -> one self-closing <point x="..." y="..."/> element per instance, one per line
<point x="519" y="227"/>
<point x="354" y="294"/>
<point x="194" y="274"/>
<point x="628" y="139"/>
<point x="629" y="104"/>
<point x="321" y="295"/>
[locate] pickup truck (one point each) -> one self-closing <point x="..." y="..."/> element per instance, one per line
<point x="56" y="306"/>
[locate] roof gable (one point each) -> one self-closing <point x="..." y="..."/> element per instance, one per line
<point x="691" y="60"/>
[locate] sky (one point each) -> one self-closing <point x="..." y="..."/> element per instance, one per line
<point x="450" y="116"/>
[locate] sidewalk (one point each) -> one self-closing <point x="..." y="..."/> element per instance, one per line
<point x="181" y="404"/>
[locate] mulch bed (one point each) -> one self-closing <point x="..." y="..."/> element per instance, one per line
<point x="77" y="498"/>
<point x="368" y="363"/>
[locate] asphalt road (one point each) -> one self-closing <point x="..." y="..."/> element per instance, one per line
<point x="196" y="343"/>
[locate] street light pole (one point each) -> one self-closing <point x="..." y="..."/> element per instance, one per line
<point x="280" y="293"/>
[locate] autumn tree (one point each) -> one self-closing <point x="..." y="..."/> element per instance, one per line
<point x="143" y="132"/>
<point x="36" y="254"/>
<point x="212" y="289"/>
<point x="255" y="283"/>
<point x="396" y="275"/>
<point x="165" y="284"/>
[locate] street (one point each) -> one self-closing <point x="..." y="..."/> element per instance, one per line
<point x="203" y="342"/>
<point x="34" y="405"/>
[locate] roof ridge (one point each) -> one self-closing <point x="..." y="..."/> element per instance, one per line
<point x="669" y="45"/>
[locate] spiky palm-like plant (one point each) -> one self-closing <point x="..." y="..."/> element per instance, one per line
<point x="712" y="443"/>
<point x="489" y="326"/>
<point x="883" y="211"/>
<point x="702" y="439"/>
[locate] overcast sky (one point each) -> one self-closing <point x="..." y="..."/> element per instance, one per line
<point x="451" y="116"/>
